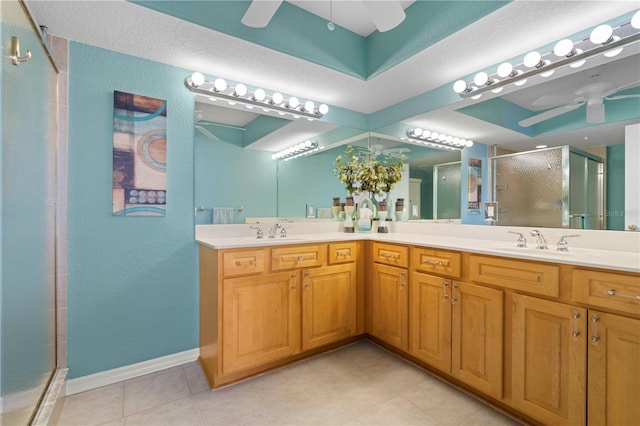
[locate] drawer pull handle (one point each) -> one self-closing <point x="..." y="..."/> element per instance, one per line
<point x="247" y="263"/>
<point x="300" y="258"/>
<point x="594" y="337"/>
<point x="389" y="255"/>
<point x="454" y="299"/>
<point x="343" y="252"/>
<point x="428" y="261"/>
<point x="294" y="286"/>
<point x="575" y="334"/>
<point x="402" y="275"/>
<point x="611" y="292"/>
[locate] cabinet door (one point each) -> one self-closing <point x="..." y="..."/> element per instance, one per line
<point x="549" y="360"/>
<point x="430" y="312"/>
<point x="260" y="320"/>
<point x="477" y="336"/>
<point x="328" y="304"/>
<point x="614" y="370"/>
<point x="389" y="305"/>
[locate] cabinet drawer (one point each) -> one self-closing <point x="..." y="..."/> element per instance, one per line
<point x="440" y="262"/>
<point x="243" y="262"/>
<point x="607" y="290"/>
<point x="532" y="277"/>
<point x="298" y="257"/>
<point x="391" y="254"/>
<point x="342" y="252"/>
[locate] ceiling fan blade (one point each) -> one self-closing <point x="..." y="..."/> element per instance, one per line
<point x="614" y="98"/>
<point x="619" y="88"/>
<point x="260" y="13"/>
<point x="595" y="112"/>
<point x="385" y="14"/>
<point x="549" y="114"/>
<point x="553" y="100"/>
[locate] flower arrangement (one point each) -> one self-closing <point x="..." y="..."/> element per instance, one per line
<point x="370" y="175"/>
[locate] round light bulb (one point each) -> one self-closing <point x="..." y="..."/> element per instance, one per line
<point x="532" y="59"/>
<point x="323" y="109"/>
<point x="635" y="20"/>
<point x="309" y="106"/>
<point x="219" y="84"/>
<point x="240" y="90"/>
<point x="293" y="102"/>
<point x="259" y="95"/>
<point x="469" y="143"/>
<point x="563" y="48"/>
<point x="505" y="69"/>
<point x="442" y="137"/>
<point x="197" y="79"/>
<point x="614" y="52"/>
<point x="460" y="86"/>
<point x="449" y="139"/>
<point x="426" y="134"/>
<point x="601" y="34"/>
<point x="276" y="98"/>
<point x="547" y="73"/>
<point x="417" y="132"/>
<point x="478" y="96"/>
<point x="499" y="89"/>
<point x="456" y="141"/>
<point x="434" y="135"/>
<point x="579" y="63"/>
<point x="481" y="78"/>
<point x="307" y="143"/>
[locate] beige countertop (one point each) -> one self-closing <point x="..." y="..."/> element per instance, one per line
<point x="619" y="260"/>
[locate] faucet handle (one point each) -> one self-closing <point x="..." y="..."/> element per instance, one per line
<point x="522" y="241"/>
<point x="563" y="245"/>
<point x="260" y="233"/>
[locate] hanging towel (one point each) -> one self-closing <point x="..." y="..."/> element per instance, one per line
<point x="222" y="215"/>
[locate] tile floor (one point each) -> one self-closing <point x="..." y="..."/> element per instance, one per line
<point x="360" y="384"/>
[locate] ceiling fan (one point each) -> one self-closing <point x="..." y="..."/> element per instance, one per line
<point x="386" y="14"/>
<point x="592" y="95"/>
<point x="379" y="149"/>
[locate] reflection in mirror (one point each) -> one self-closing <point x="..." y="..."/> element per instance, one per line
<point x="310" y="179"/>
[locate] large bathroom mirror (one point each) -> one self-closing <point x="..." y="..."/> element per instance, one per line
<point x="258" y="186"/>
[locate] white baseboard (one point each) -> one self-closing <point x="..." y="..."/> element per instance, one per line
<point x="119" y="374"/>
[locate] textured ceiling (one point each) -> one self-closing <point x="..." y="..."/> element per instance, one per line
<point x="506" y="33"/>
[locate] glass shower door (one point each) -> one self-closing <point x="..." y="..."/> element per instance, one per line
<point x="447" y="190"/>
<point x="27" y="219"/>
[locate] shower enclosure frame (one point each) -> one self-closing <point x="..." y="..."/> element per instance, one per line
<point x="566" y="151"/>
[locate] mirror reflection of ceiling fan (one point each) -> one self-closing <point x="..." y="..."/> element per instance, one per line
<point x="378" y="150"/>
<point x="593" y="96"/>
<point x="385" y="14"/>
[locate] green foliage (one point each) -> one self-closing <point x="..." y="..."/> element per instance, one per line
<point x="372" y="175"/>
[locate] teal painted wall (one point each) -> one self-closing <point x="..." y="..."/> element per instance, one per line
<point x="308" y="180"/>
<point x="426" y="190"/>
<point x="615" y="187"/>
<point x="132" y="281"/>
<point x="230" y="176"/>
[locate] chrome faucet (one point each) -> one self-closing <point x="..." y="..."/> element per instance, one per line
<point x="542" y="243"/>
<point x="563" y="245"/>
<point x="522" y="241"/>
<point x="273" y="230"/>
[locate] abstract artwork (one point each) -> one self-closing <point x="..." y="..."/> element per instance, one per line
<point x="475" y="186"/>
<point x="139" y="155"/>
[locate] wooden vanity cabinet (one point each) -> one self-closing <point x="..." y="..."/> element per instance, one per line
<point x="614" y="369"/>
<point x="549" y="360"/>
<point x="261" y="307"/>
<point x="449" y="317"/>
<point x="389" y="294"/>
<point x="260" y="319"/>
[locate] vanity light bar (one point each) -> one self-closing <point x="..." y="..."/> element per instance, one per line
<point x="438" y="140"/>
<point x="295" y="151"/>
<point x="219" y="89"/>
<point x="603" y="39"/>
